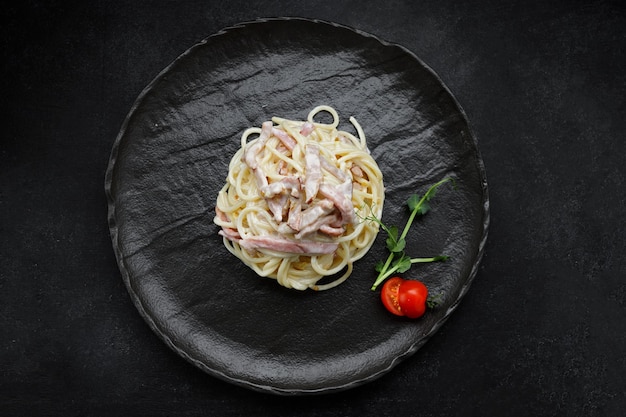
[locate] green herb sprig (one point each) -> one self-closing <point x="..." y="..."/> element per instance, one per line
<point x="398" y="261"/>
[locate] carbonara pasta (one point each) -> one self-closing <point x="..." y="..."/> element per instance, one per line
<point x="294" y="200"/>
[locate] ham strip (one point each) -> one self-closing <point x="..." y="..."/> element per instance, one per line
<point x="288" y="185"/>
<point x="312" y="218"/>
<point x="339" y="195"/>
<point x="357" y="171"/>
<point x="336" y="172"/>
<point x="307" y="129"/>
<point x="329" y="230"/>
<point x="278" y="206"/>
<point x="295" y="214"/>
<point x="284" y="137"/>
<point x="313" y="173"/>
<point x="280" y="244"/>
<point x="230" y="234"/>
<point x="320" y="224"/>
<point x="253" y="151"/>
<point x="221" y="215"/>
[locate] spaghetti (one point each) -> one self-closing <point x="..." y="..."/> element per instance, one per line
<point x="294" y="197"/>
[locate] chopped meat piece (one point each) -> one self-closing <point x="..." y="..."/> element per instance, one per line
<point x="284" y="137"/>
<point x="290" y="246"/>
<point x="307" y="129"/>
<point x="278" y="206"/>
<point x="336" y="172"/>
<point x="357" y="171"/>
<point x="230" y="234"/>
<point x="288" y="185"/>
<point x="220" y="214"/>
<point x="253" y="151"/>
<point x="295" y="214"/>
<point x="283" y="168"/>
<point x="227" y="232"/>
<point x="315" y="216"/>
<point x="313" y="174"/>
<point x="331" y="230"/>
<point x="320" y="223"/>
<point x="339" y="195"/>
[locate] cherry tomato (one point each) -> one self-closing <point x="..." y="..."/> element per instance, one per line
<point x="404" y="297"/>
<point x="412" y="297"/>
<point x="389" y="295"/>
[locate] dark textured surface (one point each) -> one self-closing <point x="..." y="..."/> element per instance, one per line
<point x="542" y="330"/>
<point x="171" y="159"/>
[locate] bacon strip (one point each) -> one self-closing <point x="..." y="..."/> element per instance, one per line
<point x="289" y="246"/>
<point x="289" y="185"/>
<point x="329" y="230"/>
<point x="252" y="152"/>
<point x="336" y="172"/>
<point x="313" y="217"/>
<point x="307" y="129"/>
<point x="339" y="195"/>
<point x="278" y="206"/>
<point x="295" y="214"/>
<point x="227" y="232"/>
<point x="313" y="173"/>
<point x="230" y="234"/>
<point x="284" y="137"/>
<point x="357" y="171"/>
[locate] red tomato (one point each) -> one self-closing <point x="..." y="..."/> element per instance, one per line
<point x="404" y="297"/>
<point x="389" y="295"/>
<point x="412" y="297"/>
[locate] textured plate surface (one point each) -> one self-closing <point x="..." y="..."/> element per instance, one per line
<point x="171" y="158"/>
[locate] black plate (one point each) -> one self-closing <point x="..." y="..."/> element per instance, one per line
<point x="171" y="157"/>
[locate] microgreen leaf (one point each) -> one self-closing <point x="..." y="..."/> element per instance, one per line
<point x="392" y="238"/>
<point x="391" y="244"/>
<point x="402" y="264"/>
<point x="413" y="201"/>
<point x="424" y="208"/>
<point x="400" y="245"/>
<point x="393" y="232"/>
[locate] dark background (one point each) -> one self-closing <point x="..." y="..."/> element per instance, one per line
<point x="541" y="332"/>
